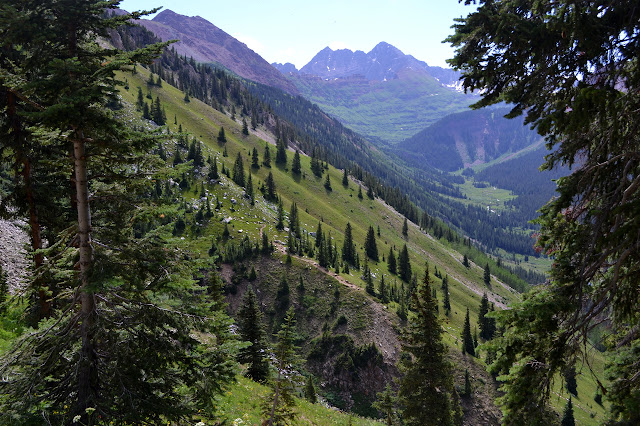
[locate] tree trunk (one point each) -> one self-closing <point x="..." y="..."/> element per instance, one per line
<point x="86" y="369"/>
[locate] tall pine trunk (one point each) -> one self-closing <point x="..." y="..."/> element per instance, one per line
<point x="86" y="368"/>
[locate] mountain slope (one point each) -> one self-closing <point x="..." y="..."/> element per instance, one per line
<point x="384" y="94"/>
<point x="205" y="42"/>
<point x="466" y="139"/>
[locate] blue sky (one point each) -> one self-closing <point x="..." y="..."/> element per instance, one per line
<point x="294" y="31"/>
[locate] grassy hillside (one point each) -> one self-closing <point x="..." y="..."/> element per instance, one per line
<point x="367" y="320"/>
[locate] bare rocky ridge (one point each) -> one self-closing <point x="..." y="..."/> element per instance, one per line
<point x="205" y="42"/>
<point x="14" y="256"/>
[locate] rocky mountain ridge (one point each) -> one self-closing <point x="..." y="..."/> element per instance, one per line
<point x="382" y="63"/>
<point x="204" y="42"/>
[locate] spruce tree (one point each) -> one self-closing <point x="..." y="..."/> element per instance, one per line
<point x="327" y="183"/>
<point x="251" y="329"/>
<point x="249" y="191"/>
<point x="245" y="128"/>
<point x="120" y="284"/>
<point x="222" y="138"/>
<point x="266" y="161"/>
<point x="280" y="223"/>
<point x="404" y="264"/>
<point x="310" y="390"/>
<point x="281" y="153"/>
<point x="391" y="262"/>
<point x="270" y="190"/>
<point x="294" y="221"/>
<point x="570" y="381"/>
<point x="348" y="249"/>
<point x="567" y="415"/>
<point x="319" y="235"/>
<point x="345" y="178"/>
<point x="385" y="404"/>
<point x="370" y="246"/>
<point x="255" y="163"/>
<point x="238" y="171"/>
<point x="426" y="387"/>
<point x="213" y="170"/>
<point x="467" y="383"/>
<point x="295" y="164"/>
<point x="405" y="228"/>
<point x="467" y="338"/>
<point x="465" y="261"/>
<point x="383" y="294"/>
<point x="487" y="275"/>
<point x="486" y="324"/>
<point x="278" y="406"/>
<point x="446" y="302"/>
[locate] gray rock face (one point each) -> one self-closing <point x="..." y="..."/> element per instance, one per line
<point x="13" y="256"/>
<point x="383" y="62"/>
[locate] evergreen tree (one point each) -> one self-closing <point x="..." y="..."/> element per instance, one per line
<point x="487" y="275"/>
<point x="578" y="88"/>
<point x="222" y="138"/>
<point x="567" y="415"/>
<point x="467" y="383"/>
<point x="405" y="228"/>
<point x="140" y="102"/>
<point x="368" y="279"/>
<point x="120" y="284"/>
<point x="370" y="192"/>
<point x="238" y="171"/>
<point x="391" y="262"/>
<point x="348" y="249"/>
<point x="319" y="235"/>
<point x="310" y="390"/>
<point x="385" y="404"/>
<point x="294" y="221"/>
<point x="316" y="167"/>
<point x="177" y="159"/>
<point x="278" y="407"/>
<point x="255" y="163"/>
<point x="426" y="387"/>
<point x="156" y="113"/>
<point x="249" y="191"/>
<point x="345" y="178"/>
<point x="446" y="302"/>
<point x="280" y="223"/>
<point x="370" y="246"/>
<point x="360" y="192"/>
<point x="270" y="190"/>
<point x="251" y="329"/>
<point x="146" y="113"/>
<point x="404" y="264"/>
<point x="213" y="170"/>
<point x="245" y="128"/>
<point x="267" y="157"/>
<point x="570" y="381"/>
<point x="486" y="324"/>
<point x="327" y="183"/>
<point x="295" y="165"/>
<point x="382" y="290"/>
<point x="465" y="261"/>
<point x="281" y="153"/>
<point x="467" y="339"/>
<point x="4" y="290"/>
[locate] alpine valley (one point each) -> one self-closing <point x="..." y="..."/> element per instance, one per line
<point x="294" y="219"/>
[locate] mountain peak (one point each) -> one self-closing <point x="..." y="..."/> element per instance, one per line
<point x="205" y="42"/>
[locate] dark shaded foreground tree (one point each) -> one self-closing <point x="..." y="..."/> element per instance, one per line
<point x="131" y="328"/>
<point x="251" y="330"/>
<point x="573" y="70"/>
<point x="426" y="393"/>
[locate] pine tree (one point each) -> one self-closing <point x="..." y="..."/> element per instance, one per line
<point x="446" y="302"/>
<point x="222" y="138"/>
<point x="238" y="171"/>
<point x="391" y="262"/>
<point x="120" y="284"/>
<point x="368" y="279"/>
<point x="404" y="264"/>
<point x="405" y="228"/>
<point x="213" y="170"/>
<point x="278" y="407"/>
<point x="281" y="153"/>
<point x="567" y="415"/>
<point x="345" y="178"/>
<point x="270" y="190"/>
<point x="426" y="387"/>
<point x="319" y="235"/>
<point x="360" y="192"/>
<point x="570" y="381"/>
<point x="251" y="329"/>
<point x="267" y="157"/>
<point x="465" y="261"/>
<point x="370" y="246"/>
<point x="255" y="163"/>
<point x="486" y="324"/>
<point x="487" y="275"/>
<point x="467" y="339"/>
<point x="327" y="183"/>
<point x="294" y="221"/>
<point x="310" y="390"/>
<point x="156" y="113"/>
<point x="245" y="128"/>
<point x="140" y="101"/>
<point x="348" y="249"/>
<point x="249" y="191"/>
<point x="370" y="192"/>
<point x="385" y="404"/>
<point x="467" y="383"/>
<point x="382" y="290"/>
<point x="295" y="164"/>
<point x="280" y="223"/>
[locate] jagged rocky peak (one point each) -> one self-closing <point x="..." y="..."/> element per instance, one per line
<point x="287" y="68"/>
